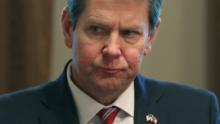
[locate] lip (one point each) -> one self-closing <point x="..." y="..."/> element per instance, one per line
<point x="111" y="70"/>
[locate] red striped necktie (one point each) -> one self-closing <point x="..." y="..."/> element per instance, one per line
<point x="107" y="115"/>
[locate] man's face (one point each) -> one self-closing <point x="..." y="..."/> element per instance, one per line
<point x="109" y="42"/>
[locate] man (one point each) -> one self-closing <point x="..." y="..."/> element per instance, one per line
<point x="101" y="84"/>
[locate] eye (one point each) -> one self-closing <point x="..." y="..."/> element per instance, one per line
<point x="96" y="30"/>
<point x="130" y="33"/>
<point x="131" y="36"/>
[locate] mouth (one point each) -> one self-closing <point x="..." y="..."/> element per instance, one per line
<point x="110" y="70"/>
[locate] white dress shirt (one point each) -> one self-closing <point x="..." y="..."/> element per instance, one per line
<point x="88" y="107"/>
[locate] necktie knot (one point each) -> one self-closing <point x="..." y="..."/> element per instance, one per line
<point x="107" y="115"/>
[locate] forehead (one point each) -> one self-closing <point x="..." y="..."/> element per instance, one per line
<point x="116" y="10"/>
<point x="116" y="3"/>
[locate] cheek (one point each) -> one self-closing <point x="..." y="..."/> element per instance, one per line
<point x="135" y="53"/>
<point x="88" y="49"/>
<point x="134" y="58"/>
<point x="86" y="56"/>
<point x="83" y="50"/>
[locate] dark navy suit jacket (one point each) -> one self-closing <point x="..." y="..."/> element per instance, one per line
<point x="52" y="103"/>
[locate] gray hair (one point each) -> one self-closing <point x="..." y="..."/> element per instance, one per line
<point x="75" y="8"/>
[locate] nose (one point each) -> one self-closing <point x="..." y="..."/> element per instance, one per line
<point x="112" y="48"/>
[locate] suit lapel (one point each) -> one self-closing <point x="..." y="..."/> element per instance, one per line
<point x="59" y="105"/>
<point x="147" y="97"/>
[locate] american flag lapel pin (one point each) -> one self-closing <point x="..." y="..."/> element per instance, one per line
<point x="151" y="119"/>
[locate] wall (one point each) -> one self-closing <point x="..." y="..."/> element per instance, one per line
<point x="60" y="54"/>
<point x="179" y="53"/>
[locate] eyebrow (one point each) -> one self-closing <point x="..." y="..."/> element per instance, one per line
<point x="133" y="28"/>
<point x="96" y="20"/>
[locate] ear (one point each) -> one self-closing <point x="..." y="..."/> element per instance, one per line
<point x="67" y="28"/>
<point x="151" y="38"/>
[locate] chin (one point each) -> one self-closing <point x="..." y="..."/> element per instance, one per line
<point x="112" y="84"/>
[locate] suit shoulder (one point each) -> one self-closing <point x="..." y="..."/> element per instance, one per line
<point x="174" y="89"/>
<point x="185" y="89"/>
<point x="24" y="96"/>
<point x="21" y="104"/>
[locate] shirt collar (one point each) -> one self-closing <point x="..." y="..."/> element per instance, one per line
<point x="88" y="107"/>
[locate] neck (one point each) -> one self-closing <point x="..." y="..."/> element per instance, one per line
<point x="103" y="96"/>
